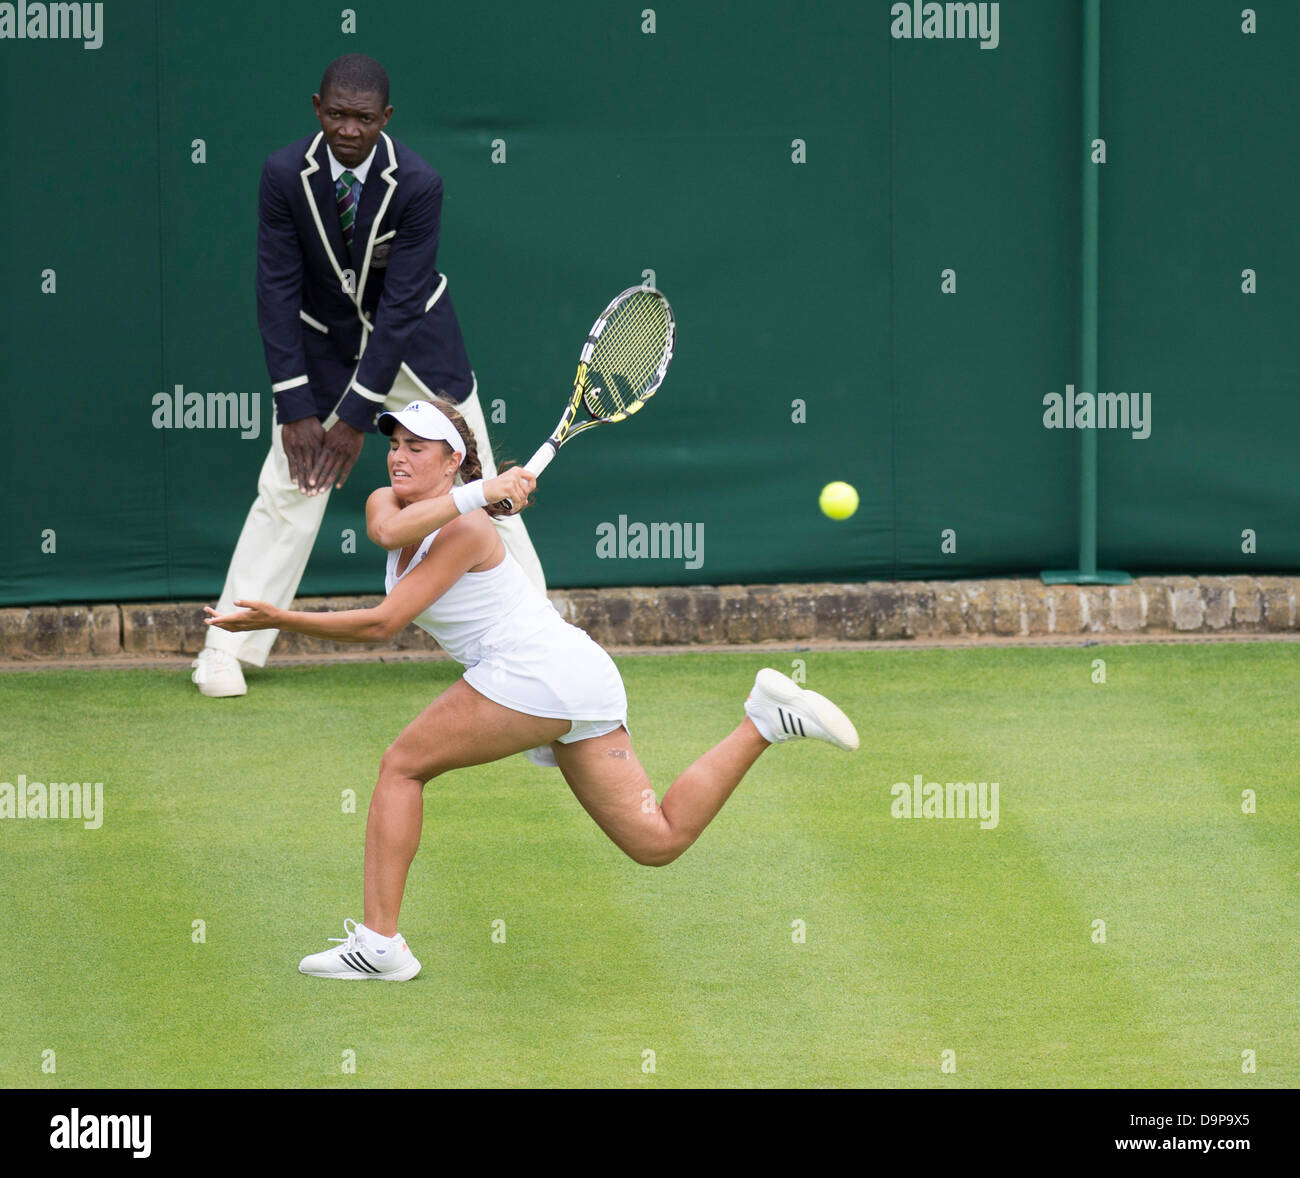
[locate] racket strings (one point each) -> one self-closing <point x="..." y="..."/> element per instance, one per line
<point x="627" y="356"/>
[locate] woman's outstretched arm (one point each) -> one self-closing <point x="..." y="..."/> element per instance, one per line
<point x="456" y="550"/>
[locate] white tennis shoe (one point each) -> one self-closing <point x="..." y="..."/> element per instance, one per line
<point x="782" y="710"/>
<point x="364" y="956"/>
<point x="218" y="674"/>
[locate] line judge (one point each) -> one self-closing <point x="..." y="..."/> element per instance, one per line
<point x="355" y="319"/>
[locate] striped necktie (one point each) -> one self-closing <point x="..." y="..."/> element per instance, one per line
<point x="346" y="190"/>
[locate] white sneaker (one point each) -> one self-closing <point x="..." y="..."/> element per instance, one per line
<point x="782" y="710"/>
<point x="363" y="956"/>
<point x="218" y="674"/>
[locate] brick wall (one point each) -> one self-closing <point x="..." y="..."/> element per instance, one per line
<point x="737" y="614"/>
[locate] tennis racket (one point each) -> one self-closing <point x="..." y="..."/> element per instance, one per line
<point x="621" y="366"/>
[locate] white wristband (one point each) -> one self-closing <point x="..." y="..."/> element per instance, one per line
<point x="468" y="497"/>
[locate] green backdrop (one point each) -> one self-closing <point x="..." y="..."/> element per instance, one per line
<point x="815" y="339"/>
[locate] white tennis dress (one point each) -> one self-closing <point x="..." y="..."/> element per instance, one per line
<point x="517" y="650"/>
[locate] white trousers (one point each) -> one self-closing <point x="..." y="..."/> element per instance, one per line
<point x="280" y="532"/>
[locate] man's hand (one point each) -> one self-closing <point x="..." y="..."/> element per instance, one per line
<point x="302" y="442"/>
<point x="338" y="453"/>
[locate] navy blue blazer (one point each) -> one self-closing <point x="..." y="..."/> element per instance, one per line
<point x="338" y="325"/>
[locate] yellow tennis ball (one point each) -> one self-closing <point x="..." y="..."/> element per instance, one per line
<point x="838" y="500"/>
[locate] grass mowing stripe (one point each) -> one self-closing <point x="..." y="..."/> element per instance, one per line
<point x="1121" y="828"/>
<point x="916" y="930"/>
<point x="995" y="956"/>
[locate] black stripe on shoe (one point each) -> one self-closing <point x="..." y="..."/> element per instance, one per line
<point x="359" y="963"/>
<point x="798" y="721"/>
<point x="784" y="726"/>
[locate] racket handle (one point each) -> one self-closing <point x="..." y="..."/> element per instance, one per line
<point x="535" y="465"/>
<point x="542" y="459"/>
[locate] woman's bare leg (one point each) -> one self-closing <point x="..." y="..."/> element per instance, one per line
<point x="612" y="786"/>
<point x="460" y="728"/>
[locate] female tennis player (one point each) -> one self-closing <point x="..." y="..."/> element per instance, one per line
<point x="532" y="683"/>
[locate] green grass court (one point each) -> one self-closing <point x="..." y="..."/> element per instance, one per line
<point x="1119" y="802"/>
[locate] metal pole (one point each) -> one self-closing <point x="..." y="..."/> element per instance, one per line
<point x="1088" y="304"/>
<point x="1087" y="573"/>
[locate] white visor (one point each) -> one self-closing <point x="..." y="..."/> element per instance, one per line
<point x="424" y="420"/>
